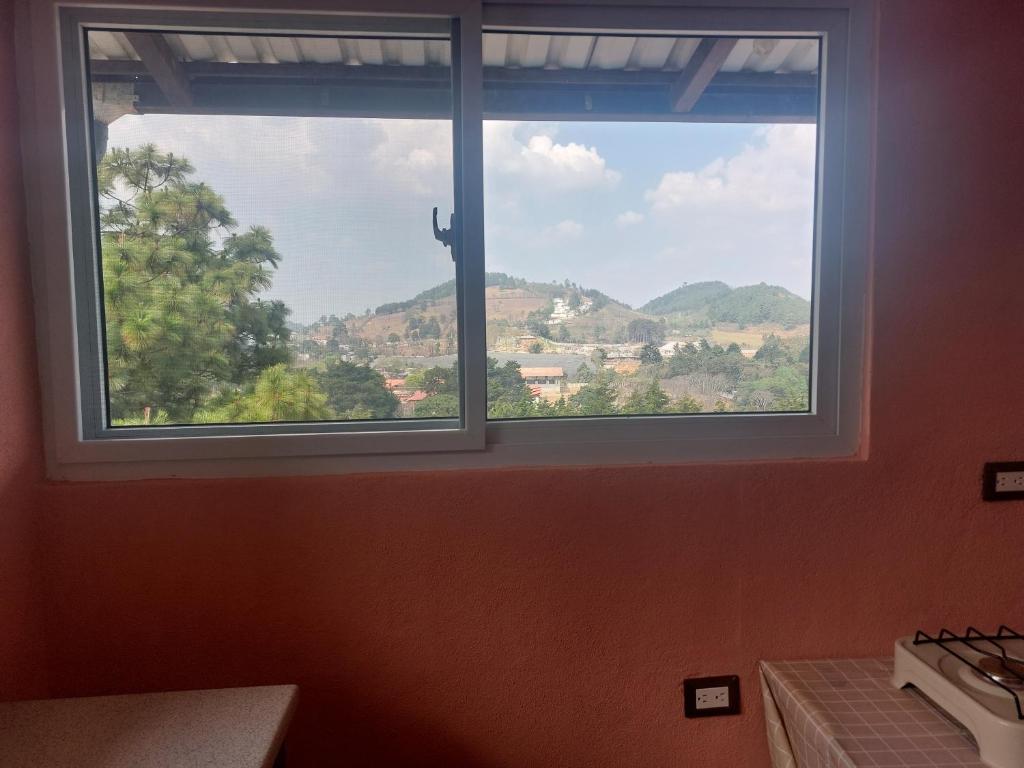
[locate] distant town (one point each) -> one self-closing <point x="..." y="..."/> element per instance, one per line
<point x="561" y="336"/>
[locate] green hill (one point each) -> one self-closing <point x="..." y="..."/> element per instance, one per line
<point x="687" y="298"/>
<point x="749" y="305"/>
<point x="762" y="303"/>
<point x="517" y="306"/>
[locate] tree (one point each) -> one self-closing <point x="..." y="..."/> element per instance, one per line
<point x="441" y="381"/>
<point x="536" y="321"/>
<point x="431" y="329"/>
<point x="651" y="400"/>
<point x="683" y="361"/>
<point x="584" y="374"/>
<point x="260" y="340"/>
<point x="597" y="398"/>
<point x="362" y="354"/>
<point x="688" y="404"/>
<point x="649" y="355"/>
<point x="350" y="386"/>
<point x="505" y="381"/>
<point x="438" y="406"/>
<point x="536" y="348"/>
<point x="279" y="394"/>
<point x="508" y="396"/>
<point x="772" y="352"/>
<point x="644" y="331"/>
<point x="786" y="389"/>
<point x="178" y="283"/>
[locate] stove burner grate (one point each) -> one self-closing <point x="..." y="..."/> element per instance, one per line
<point x="1000" y="669"/>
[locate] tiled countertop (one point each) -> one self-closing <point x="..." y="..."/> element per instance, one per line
<point x="223" y="728"/>
<point x="846" y="714"/>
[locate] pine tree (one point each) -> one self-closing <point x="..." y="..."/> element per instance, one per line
<point x="179" y="287"/>
<point x="651" y="400"/>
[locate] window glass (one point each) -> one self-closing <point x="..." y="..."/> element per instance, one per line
<point x="264" y="206"/>
<point x="650" y="206"/>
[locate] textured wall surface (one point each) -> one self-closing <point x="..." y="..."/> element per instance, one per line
<point x="20" y="448"/>
<point x="546" y="617"/>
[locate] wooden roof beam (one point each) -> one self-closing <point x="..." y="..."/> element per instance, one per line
<point x="163" y="66"/>
<point x="699" y="71"/>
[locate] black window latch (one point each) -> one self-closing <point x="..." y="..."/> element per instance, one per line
<point x="445" y="236"/>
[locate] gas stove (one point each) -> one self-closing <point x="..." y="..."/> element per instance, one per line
<point x="977" y="679"/>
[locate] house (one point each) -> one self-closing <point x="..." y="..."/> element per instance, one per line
<point x="514" y="594"/>
<point x="562" y="311"/>
<point x="550" y="376"/>
<point x="549" y="383"/>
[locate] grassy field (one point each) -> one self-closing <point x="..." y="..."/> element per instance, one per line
<point x="752" y="336"/>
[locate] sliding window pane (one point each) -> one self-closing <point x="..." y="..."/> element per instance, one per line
<point x="650" y="206"/>
<point x="264" y="208"/>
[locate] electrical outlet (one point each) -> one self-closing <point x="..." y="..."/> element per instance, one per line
<point x="711" y="696"/>
<point x="1009" y="481"/>
<point x="1003" y="481"/>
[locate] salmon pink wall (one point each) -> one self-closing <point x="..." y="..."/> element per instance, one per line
<point x="545" y="617"/>
<point x="20" y="448"/>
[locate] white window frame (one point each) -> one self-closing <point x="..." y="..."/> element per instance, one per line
<point x="833" y="428"/>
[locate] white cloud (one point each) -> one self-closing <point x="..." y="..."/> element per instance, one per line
<point x="546" y="163"/>
<point x="774" y="174"/>
<point x="416" y="154"/>
<point x="348" y="201"/>
<point x="628" y="219"/>
<point x="567" y="229"/>
<point x="742" y="218"/>
<point x="241" y="146"/>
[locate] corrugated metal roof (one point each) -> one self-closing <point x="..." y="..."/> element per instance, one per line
<point x="500" y="49"/>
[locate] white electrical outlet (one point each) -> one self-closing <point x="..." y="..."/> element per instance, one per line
<point x="713" y="698"/>
<point x="1007" y="482"/>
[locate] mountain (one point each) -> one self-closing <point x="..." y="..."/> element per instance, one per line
<point x="447" y="289"/>
<point x="426" y="324"/>
<point x="687" y="298"/>
<point x="747" y="305"/>
<point x="762" y="303"/>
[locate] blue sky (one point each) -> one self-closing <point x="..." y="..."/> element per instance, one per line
<point x="632" y="209"/>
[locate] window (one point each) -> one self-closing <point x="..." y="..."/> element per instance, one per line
<point x="250" y="263"/>
<point x="652" y="267"/>
<point x="478" y="235"/>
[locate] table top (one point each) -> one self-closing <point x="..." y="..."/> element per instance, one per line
<point x="847" y="714"/>
<point x="236" y="727"/>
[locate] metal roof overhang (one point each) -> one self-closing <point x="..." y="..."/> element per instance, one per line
<point x="526" y="77"/>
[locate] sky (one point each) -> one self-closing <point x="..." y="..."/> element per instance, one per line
<point x="632" y="209"/>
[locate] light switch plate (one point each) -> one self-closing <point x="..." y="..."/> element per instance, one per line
<point x="711" y="696"/>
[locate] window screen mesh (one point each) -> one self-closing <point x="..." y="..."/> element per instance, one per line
<point x="264" y="208"/>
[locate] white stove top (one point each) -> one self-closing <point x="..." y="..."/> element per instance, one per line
<point x="977" y="680"/>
